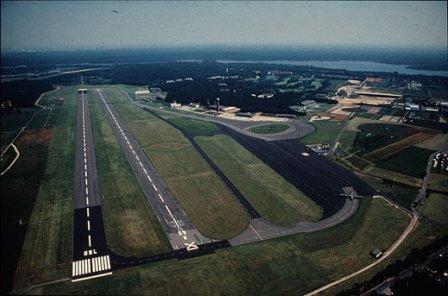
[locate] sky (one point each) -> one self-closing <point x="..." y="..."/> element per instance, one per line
<point x="91" y="25"/>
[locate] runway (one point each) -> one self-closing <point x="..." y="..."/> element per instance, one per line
<point x="91" y="257"/>
<point x="177" y="226"/>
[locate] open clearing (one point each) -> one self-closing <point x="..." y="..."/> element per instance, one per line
<point x="132" y="228"/>
<point x="436" y="208"/>
<point x="272" y="128"/>
<point x="325" y="133"/>
<point x="194" y="126"/>
<point x="412" y="162"/>
<point x="201" y="193"/>
<point x="288" y="265"/>
<point x="374" y="136"/>
<point x="272" y="196"/>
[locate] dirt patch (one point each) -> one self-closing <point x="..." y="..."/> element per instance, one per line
<point x="398" y="146"/>
<point x="42" y="136"/>
<point x="436" y="142"/>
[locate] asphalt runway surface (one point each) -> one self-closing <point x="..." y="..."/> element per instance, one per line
<point x="178" y="228"/>
<point x="90" y="254"/>
<point x="318" y="177"/>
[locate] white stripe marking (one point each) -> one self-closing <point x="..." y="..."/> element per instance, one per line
<point x="88" y="225"/>
<point x="161" y="198"/>
<point x="155" y="188"/>
<point x="90" y="240"/>
<point x="88" y="212"/>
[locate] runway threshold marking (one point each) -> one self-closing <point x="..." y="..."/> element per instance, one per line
<point x="91" y="266"/>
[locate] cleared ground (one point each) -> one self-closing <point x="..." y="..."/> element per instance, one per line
<point x="272" y="128"/>
<point x="202" y="195"/>
<point x="132" y="228"/>
<point x="325" y="133"/>
<point x="272" y="196"/>
<point x="436" y="208"/>
<point x="438" y="182"/>
<point x="289" y="265"/>
<point x="47" y="250"/>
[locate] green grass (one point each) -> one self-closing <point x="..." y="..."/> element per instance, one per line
<point x="288" y="265"/>
<point x="132" y="228"/>
<point x="201" y="193"/>
<point x="47" y="249"/>
<point x="347" y="139"/>
<point x="436" y="208"/>
<point x="373" y="136"/>
<point x="325" y="133"/>
<point x="272" y="196"/>
<point x="411" y="161"/>
<point x="192" y="126"/>
<point x="272" y="128"/>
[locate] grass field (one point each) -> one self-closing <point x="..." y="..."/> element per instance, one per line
<point x="47" y="249"/>
<point x="19" y="188"/>
<point x="132" y="228"/>
<point x="192" y="126"/>
<point x="438" y="182"/>
<point x="201" y="193"/>
<point x="272" y="128"/>
<point x="375" y="136"/>
<point x="325" y="133"/>
<point x="272" y="196"/>
<point x="412" y="162"/>
<point x="436" y="208"/>
<point x="347" y="139"/>
<point x="288" y="265"/>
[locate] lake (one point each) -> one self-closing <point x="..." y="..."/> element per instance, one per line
<point x="351" y="66"/>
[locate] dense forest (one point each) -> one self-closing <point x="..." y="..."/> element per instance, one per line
<point x="23" y="93"/>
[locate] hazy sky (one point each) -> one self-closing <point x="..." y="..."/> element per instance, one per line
<point x="73" y="25"/>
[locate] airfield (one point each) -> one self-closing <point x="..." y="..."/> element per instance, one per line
<point x="313" y="209"/>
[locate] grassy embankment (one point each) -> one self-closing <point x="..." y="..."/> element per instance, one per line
<point x="202" y="195"/>
<point x="272" y="128"/>
<point x="325" y="133"/>
<point x="294" y="264"/>
<point x="47" y="249"/>
<point x="269" y="193"/>
<point x="132" y="228"/>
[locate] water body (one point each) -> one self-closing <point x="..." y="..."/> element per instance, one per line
<point x="351" y="66"/>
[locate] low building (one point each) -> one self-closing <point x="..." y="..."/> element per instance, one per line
<point x="82" y="90"/>
<point x="142" y="92"/>
<point x="308" y="103"/>
<point x="155" y="90"/>
<point x="175" y="105"/>
<point x="225" y="109"/>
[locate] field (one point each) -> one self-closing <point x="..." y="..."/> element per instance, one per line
<point x="201" y="193"/>
<point x="412" y="162"/>
<point x="374" y="136"/>
<point x="192" y="126"/>
<point x="132" y="228"/>
<point x="403" y="144"/>
<point x="288" y="265"/>
<point x="437" y="142"/>
<point x="272" y="196"/>
<point x="436" y="208"/>
<point x="272" y="128"/>
<point x="325" y="133"/>
<point x="438" y="182"/>
<point x="19" y="188"/>
<point x="47" y="249"/>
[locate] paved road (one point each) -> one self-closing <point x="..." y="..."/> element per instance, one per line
<point x="298" y="128"/>
<point x="261" y="229"/>
<point x="421" y="196"/>
<point x="177" y="226"/>
<point x="90" y="254"/>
